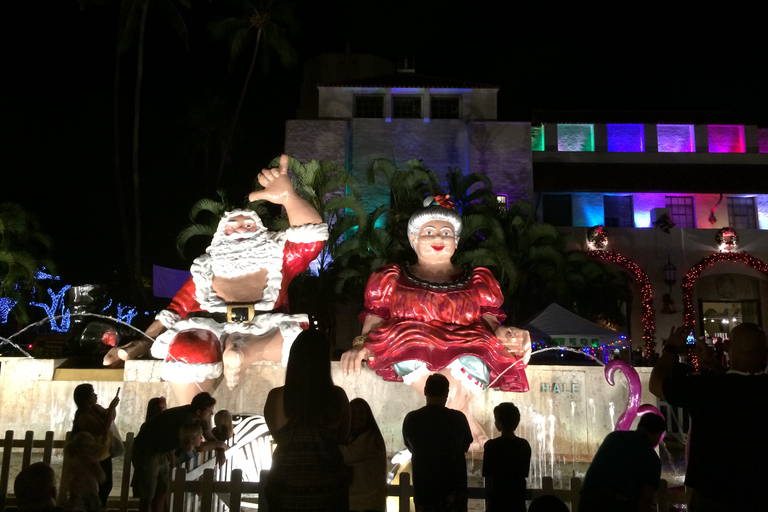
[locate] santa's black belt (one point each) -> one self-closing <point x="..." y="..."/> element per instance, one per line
<point x="236" y="313"/>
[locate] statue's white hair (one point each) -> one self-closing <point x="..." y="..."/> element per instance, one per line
<point x="435" y="212"/>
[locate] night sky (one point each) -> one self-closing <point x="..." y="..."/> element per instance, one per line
<point x="58" y="70"/>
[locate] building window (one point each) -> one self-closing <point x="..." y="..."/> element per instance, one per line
<point x="742" y="212"/>
<point x="444" y="107"/>
<point x="501" y="200"/>
<point x="369" y="105"/>
<point x="618" y="212"/>
<point x="406" y="106"/>
<point x="557" y="209"/>
<point x="681" y="211"/>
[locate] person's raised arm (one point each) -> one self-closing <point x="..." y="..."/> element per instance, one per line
<point x="674" y="346"/>
<point x="278" y="189"/>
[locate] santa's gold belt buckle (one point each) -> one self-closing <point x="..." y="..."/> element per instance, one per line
<point x="240" y="313"/>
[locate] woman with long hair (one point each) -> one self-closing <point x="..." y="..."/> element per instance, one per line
<point x="96" y="420"/>
<point x="308" y="418"/>
<point x="366" y="454"/>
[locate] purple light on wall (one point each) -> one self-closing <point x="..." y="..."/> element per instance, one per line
<point x="726" y="138"/>
<point x="676" y="138"/>
<point x="762" y="139"/>
<point x="626" y="138"/>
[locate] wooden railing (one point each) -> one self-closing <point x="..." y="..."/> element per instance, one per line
<point x="204" y="490"/>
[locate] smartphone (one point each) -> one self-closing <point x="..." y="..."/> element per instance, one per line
<point x="690" y="340"/>
<point x="118" y="392"/>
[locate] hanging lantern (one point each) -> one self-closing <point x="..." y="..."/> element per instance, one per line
<point x="670" y="273"/>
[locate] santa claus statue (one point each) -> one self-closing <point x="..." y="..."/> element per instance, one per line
<point x="234" y="309"/>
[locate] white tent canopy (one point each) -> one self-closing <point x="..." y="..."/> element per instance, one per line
<point x="567" y="329"/>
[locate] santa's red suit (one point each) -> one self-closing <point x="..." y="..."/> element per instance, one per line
<point x="193" y="342"/>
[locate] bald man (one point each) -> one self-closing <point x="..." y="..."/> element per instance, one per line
<point x="728" y="460"/>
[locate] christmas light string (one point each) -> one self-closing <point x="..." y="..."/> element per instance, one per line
<point x="649" y="326"/>
<point x="695" y="272"/>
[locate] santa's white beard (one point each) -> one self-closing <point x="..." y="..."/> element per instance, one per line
<point x="233" y="256"/>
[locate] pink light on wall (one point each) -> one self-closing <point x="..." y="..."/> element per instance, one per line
<point x="626" y="138"/>
<point x="676" y="138"/>
<point x="726" y="138"/>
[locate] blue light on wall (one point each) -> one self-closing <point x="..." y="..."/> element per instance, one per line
<point x="626" y="138"/>
<point x="642" y="219"/>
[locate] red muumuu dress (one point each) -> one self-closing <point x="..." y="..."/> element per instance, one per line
<point x="437" y="324"/>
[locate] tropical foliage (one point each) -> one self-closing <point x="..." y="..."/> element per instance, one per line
<point x="23" y="250"/>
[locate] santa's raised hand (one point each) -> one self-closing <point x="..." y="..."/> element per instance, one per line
<point x="278" y="188"/>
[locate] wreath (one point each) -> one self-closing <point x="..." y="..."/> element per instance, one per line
<point x="727" y="239"/>
<point x="597" y="238"/>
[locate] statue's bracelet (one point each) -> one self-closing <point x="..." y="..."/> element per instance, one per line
<point x="359" y="341"/>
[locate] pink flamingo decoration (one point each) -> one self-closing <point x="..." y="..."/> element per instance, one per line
<point x="633" y="409"/>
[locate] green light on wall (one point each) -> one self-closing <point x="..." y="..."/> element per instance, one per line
<point x="575" y="137"/>
<point x="537" y="138"/>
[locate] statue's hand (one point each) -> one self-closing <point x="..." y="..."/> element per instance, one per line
<point x="278" y="188"/>
<point x="133" y="350"/>
<point x="352" y="359"/>
<point x="517" y="341"/>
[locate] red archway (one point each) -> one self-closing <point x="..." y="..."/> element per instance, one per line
<point x="649" y="325"/>
<point x="694" y="272"/>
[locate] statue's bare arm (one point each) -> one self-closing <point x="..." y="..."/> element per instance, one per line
<point x="352" y="359"/>
<point x="278" y="189"/>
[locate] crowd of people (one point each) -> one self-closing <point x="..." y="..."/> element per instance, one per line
<point x="434" y="325"/>
<point x="330" y="453"/>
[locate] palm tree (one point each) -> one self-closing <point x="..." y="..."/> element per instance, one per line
<point x="335" y="194"/>
<point x="23" y="250"/>
<point x="205" y="215"/>
<point x="132" y="22"/>
<point x="597" y="291"/>
<point x="259" y="19"/>
<point x="208" y="126"/>
<point x="177" y="24"/>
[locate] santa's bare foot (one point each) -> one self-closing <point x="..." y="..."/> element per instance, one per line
<point x="242" y="350"/>
<point x="233" y="361"/>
